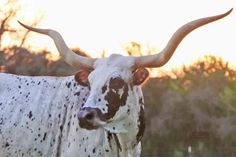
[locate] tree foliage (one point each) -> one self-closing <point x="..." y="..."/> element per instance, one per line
<point x="197" y="109"/>
<point x="17" y="60"/>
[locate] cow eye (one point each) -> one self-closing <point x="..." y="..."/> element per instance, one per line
<point x="116" y="83"/>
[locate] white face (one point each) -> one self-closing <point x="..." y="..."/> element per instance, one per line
<point x="112" y="93"/>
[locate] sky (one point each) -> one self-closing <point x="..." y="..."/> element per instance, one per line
<point x="97" y="25"/>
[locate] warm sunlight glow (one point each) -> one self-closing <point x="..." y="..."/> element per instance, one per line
<point x="108" y="25"/>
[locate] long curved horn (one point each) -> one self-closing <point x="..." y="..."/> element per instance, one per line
<point x="163" y="57"/>
<point x="69" y="56"/>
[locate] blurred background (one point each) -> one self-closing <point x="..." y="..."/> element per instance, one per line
<point x="190" y="102"/>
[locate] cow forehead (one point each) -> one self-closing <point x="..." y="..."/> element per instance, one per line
<point x="115" y="60"/>
<point x="111" y="67"/>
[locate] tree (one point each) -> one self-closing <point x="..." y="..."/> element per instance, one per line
<point x="8" y="13"/>
<point x="196" y="108"/>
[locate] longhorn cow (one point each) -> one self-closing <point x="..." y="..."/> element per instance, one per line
<point x="97" y="112"/>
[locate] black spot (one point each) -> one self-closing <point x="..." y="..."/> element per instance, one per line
<point x="7" y="144"/>
<point x="141" y="101"/>
<point x="19" y="86"/>
<point x="117" y="142"/>
<point x="115" y="101"/>
<point x="109" y="137"/>
<point x="104" y="88"/>
<point x="68" y="84"/>
<point x="30" y="114"/>
<point x="77" y="94"/>
<point x="141" y="126"/>
<point x="94" y="150"/>
<point x="39" y="152"/>
<point x="61" y="128"/>
<point x="44" y="136"/>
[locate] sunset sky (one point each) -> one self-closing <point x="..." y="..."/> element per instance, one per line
<point x="97" y="25"/>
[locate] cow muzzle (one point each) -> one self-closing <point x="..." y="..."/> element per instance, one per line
<point x="89" y="119"/>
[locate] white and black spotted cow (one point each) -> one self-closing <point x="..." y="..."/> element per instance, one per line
<point x="97" y="112"/>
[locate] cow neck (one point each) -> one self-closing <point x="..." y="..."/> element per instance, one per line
<point x="124" y="131"/>
<point x="124" y="141"/>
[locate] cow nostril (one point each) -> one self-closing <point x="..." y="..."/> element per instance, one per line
<point x="90" y="116"/>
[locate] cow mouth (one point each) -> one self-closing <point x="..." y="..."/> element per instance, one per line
<point x="91" y="124"/>
<point x="87" y="126"/>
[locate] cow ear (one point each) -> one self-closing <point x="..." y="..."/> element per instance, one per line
<point x="140" y="76"/>
<point x="82" y="77"/>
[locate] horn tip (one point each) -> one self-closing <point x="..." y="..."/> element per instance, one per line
<point x="230" y="10"/>
<point x="21" y="23"/>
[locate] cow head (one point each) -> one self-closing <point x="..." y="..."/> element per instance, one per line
<point x="115" y="100"/>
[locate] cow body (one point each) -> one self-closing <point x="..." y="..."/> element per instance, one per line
<point x="38" y="117"/>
